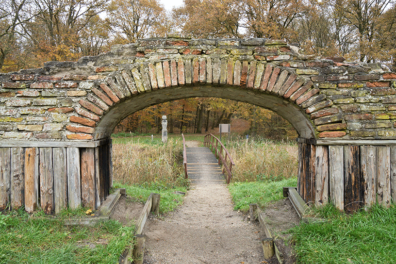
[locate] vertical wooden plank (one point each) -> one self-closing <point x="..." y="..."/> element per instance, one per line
<point x="73" y="177"/>
<point x="60" y="178"/>
<point x="322" y="175"/>
<point x="5" y="177"/>
<point x="97" y="179"/>
<point x="88" y="177"/>
<point x="383" y="176"/>
<point x="307" y="179"/>
<point x="17" y="178"/>
<point x="110" y="163"/>
<point x="336" y="170"/>
<point x="311" y="174"/>
<point x="352" y="199"/>
<point x="300" y="167"/>
<point x="393" y="173"/>
<point x="368" y="165"/>
<point x="46" y="180"/>
<point x="31" y="176"/>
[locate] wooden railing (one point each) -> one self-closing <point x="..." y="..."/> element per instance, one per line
<point x="214" y="144"/>
<point x="185" y="157"/>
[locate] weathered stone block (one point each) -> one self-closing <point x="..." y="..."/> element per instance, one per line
<point x="327" y="85"/>
<point x="59" y="117"/>
<point x="66" y="85"/>
<point x="239" y="52"/>
<point x="176" y="43"/>
<point x="61" y="110"/>
<point x="366" y="77"/>
<point x="6" y="127"/>
<point x="328" y="119"/>
<point x="18" y="135"/>
<point x="45" y="102"/>
<point x="49" y="78"/>
<point x="319" y="106"/>
<point x="344" y="101"/>
<point x="36" y="118"/>
<point x="359" y="117"/>
<point x="30" y="127"/>
<point x="14" y="85"/>
<point x="350" y="85"/>
<point x="7" y="94"/>
<point x="65" y="102"/>
<point x="26" y="93"/>
<point x="53" y="127"/>
<point x="374" y="125"/>
<point x="387" y="133"/>
<point x="382" y="116"/>
<point x="372" y="107"/>
<point x="354" y="126"/>
<point x="76" y="93"/>
<point x="106" y="69"/>
<point x="18" y="102"/>
<point x="378" y="84"/>
<point x="42" y="85"/>
<point x="86" y="85"/>
<point x="96" y="77"/>
<point x="307" y="72"/>
<point x="362" y="133"/>
<point x="53" y="93"/>
<point x="22" y="77"/>
<point x="82" y="121"/>
<point x="271" y="42"/>
<point x="8" y="112"/>
<point x="31" y="111"/>
<point x="192" y="51"/>
<point x="49" y="135"/>
<point x="337" y="126"/>
<point x="278" y="57"/>
<point x="10" y="119"/>
<point x="228" y="43"/>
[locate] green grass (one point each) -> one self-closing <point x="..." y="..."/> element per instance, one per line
<point x="169" y="200"/>
<point x="260" y="192"/>
<point x="35" y="239"/>
<point x="364" y="237"/>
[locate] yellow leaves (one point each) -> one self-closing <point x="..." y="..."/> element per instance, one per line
<point x="88" y="212"/>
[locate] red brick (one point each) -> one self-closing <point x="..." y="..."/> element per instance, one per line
<point x="378" y="84"/>
<point x="366" y="77"/>
<point x="230" y="72"/>
<point x="168" y="81"/>
<point x="196" y="70"/>
<point x="62" y="110"/>
<point x="202" y="70"/>
<point x="252" y="73"/>
<point x="153" y="76"/>
<point x="272" y="51"/>
<point x="96" y="77"/>
<point x="22" y="77"/>
<point x="140" y="54"/>
<point x="87" y="114"/>
<point x="81" y="129"/>
<point x="180" y="69"/>
<point x="15" y="85"/>
<point x="284" y="49"/>
<point x="74" y="78"/>
<point x="7" y="94"/>
<point x="91" y="107"/>
<point x="260" y="58"/>
<point x="359" y="117"/>
<point x="106" y="69"/>
<point x="109" y="92"/>
<point x="79" y="136"/>
<point x="174" y="73"/>
<point x="102" y="96"/>
<point x="66" y="85"/>
<point x="82" y="121"/>
<point x="389" y="76"/>
<point x="266" y="77"/>
<point x="285" y="64"/>
<point x="294" y="88"/>
<point x="192" y="52"/>
<point x="301" y="91"/>
<point x="273" y="78"/>
<point x="245" y="66"/>
<point x="324" y="112"/>
<point x="332" y="134"/>
<point x="177" y="43"/>
<point x="306" y="96"/>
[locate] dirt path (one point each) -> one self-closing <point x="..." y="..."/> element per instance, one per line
<point x="205" y="229"/>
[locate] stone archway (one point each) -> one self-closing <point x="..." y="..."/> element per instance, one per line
<point x="56" y="121"/>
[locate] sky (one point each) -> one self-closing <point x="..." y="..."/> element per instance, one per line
<point x="169" y="4"/>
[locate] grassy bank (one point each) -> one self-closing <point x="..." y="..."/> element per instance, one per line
<point x="364" y="237"/>
<point x="34" y="239"/>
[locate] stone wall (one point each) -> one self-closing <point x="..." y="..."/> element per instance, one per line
<point x="67" y="101"/>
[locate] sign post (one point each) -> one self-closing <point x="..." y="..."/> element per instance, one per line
<point x="225" y="128"/>
<point x="164" y="129"/>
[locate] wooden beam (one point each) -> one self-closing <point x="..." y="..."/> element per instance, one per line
<point x="383" y="174"/>
<point x="97" y="179"/>
<point x="46" y="180"/>
<point x="60" y="178"/>
<point x="297" y="202"/>
<point x="5" y="177"/>
<point x="322" y="176"/>
<point x="31" y="179"/>
<point x="73" y="177"/>
<point x="368" y="165"/>
<point x="311" y="173"/>
<point x="17" y="177"/>
<point x="352" y="199"/>
<point x="393" y="173"/>
<point x="88" y="177"/>
<point x="339" y="142"/>
<point x="52" y="144"/>
<point x="144" y="215"/>
<point x="336" y="172"/>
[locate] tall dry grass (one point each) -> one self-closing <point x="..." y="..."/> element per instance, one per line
<point x="140" y="163"/>
<point x="263" y="160"/>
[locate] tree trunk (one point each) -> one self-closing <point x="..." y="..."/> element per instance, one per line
<point x="207" y="121"/>
<point x="182" y="120"/>
<point x="196" y="120"/>
<point x="199" y="123"/>
<point x="220" y="118"/>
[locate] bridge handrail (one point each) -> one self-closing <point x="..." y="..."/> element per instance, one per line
<point x="185" y="157"/>
<point x="210" y="139"/>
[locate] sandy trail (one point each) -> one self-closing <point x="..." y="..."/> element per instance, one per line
<point x="205" y="229"/>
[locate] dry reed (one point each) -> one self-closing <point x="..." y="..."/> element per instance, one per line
<point x="136" y="163"/>
<point x="263" y="160"/>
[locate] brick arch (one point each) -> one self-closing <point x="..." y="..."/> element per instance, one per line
<point x="63" y="115"/>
